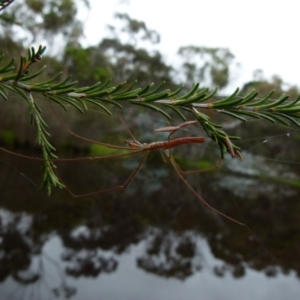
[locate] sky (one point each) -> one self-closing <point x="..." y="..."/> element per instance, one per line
<point x="262" y="34"/>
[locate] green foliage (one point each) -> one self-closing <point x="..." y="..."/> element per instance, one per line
<point x="134" y="26"/>
<point x="214" y="64"/>
<point x="89" y="64"/>
<point x="17" y="83"/>
<point x="157" y="99"/>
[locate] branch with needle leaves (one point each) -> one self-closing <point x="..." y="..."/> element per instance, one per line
<point x="5" y="3"/>
<point x="193" y="102"/>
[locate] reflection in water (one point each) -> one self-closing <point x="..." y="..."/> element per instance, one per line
<point x="168" y="254"/>
<point x="24" y="264"/>
<point x="154" y="237"/>
<point x="129" y="283"/>
<point x="82" y="255"/>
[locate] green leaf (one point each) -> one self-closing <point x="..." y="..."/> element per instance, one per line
<point x="190" y="92"/>
<point x="291" y="119"/>
<point x="277" y="118"/>
<point x="96" y="101"/>
<point x="25" y="78"/>
<point x="159" y="96"/>
<point x="176" y="110"/>
<point x="152" y="107"/>
<point x="275" y="103"/>
<point x="156" y="89"/>
<point x="226" y="100"/>
<point x="194" y="98"/>
<point x="232" y="114"/>
<point x="3" y="93"/>
<point x="249" y="97"/>
<point x="176" y="92"/>
<point x="208" y="96"/>
<point x="266" y="117"/>
<point x="8" y="67"/>
<point x="261" y="101"/>
<point x="71" y="101"/>
<point x="291" y="104"/>
<point x="56" y="100"/>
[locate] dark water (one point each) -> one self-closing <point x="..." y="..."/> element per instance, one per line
<point x="154" y="240"/>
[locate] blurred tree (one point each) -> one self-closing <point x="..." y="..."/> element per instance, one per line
<point x="265" y="86"/>
<point x="129" y="63"/>
<point x="133" y="27"/>
<point x="208" y="65"/>
<point x="114" y="58"/>
<point x="30" y="21"/>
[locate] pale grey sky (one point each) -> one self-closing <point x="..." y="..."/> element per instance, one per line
<point x="262" y="34"/>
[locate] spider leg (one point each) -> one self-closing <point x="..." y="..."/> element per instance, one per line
<point x="120" y="187"/>
<point x="203" y="170"/>
<point x="201" y="200"/>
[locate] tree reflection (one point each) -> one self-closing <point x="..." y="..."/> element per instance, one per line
<point x="89" y="264"/>
<point x="16" y="251"/>
<point x="22" y="257"/>
<point x="170" y="255"/>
